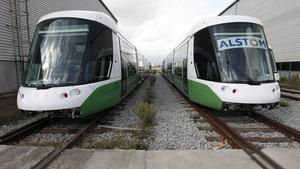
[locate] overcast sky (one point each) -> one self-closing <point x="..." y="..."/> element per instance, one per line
<point x="155" y="27"/>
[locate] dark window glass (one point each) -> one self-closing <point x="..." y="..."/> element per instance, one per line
<point x="296" y="66"/>
<point x="169" y="61"/>
<point x="169" y="67"/>
<point x="272" y="59"/>
<point x="285" y="66"/>
<point x="278" y="66"/>
<point x="100" y="54"/>
<point x="204" y="57"/>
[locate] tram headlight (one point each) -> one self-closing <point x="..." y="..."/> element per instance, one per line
<point x="74" y="92"/>
<point x="277" y="87"/>
<point x="21" y="94"/>
<point x="225" y="88"/>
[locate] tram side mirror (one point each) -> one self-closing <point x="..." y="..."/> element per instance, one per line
<point x="277" y="76"/>
<point x="273" y="64"/>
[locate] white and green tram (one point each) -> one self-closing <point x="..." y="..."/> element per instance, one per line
<point x="224" y="63"/>
<point x="79" y="65"/>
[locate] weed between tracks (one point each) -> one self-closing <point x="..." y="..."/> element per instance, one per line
<point x="147" y="114"/>
<point x="152" y="80"/>
<point x="293" y="83"/>
<point x="146" y="110"/>
<point x="283" y="104"/>
<point x="122" y="142"/>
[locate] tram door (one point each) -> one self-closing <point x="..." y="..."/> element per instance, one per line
<point x="124" y="76"/>
<point x="185" y="81"/>
<point x="184" y="70"/>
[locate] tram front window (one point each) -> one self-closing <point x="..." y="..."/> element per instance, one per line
<point x="57" y="52"/>
<point x="242" y="53"/>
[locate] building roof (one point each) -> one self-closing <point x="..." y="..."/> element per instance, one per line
<point x="233" y="3"/>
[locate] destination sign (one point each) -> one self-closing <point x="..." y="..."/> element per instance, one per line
<point x="241" y="42"/>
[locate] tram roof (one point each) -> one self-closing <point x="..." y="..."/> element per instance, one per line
<point x="221" y="20"/>
<point x="82" y="14"/>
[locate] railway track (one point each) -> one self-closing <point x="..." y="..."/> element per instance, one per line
<point x="291" y="94"/>
<point x="258" y="129"/>
<point x="74" y="132"/>
<point x="236" y="140"/>
<point x="235" y="134"/>
<point x="18" y="134"/>
<point x="57" y="151"/>
<point x="250" y="145"/>
<point x="75" y="128"/>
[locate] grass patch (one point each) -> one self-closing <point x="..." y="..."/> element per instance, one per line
<point x="149" y="96"/>
<point x="139" y="146"/>
<point x="284" y="79"/>
<point x="147" y="114"/>
<point x="293" y="83"/>
<point x="152" y="80"/>
<point x="283" y="104"/>
<point x="121" y="142"/>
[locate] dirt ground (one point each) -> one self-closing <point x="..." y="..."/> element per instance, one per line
<point x="9" y="110"/>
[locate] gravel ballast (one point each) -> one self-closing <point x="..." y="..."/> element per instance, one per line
<point x="5" y="128"/>
<point x="289" y="115"/>
<point x="175" y="129"/>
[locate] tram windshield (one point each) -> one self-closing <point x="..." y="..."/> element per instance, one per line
<point x="57" y="52"/>
<point x="242" y="53"/>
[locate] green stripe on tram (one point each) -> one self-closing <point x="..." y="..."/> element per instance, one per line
<point x="204" y="95"/>
<point x="102" y="98"/>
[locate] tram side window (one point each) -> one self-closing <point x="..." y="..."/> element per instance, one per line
<point x="169" y="67"/>
<point x="180" y="54"/>
<point x="100" y="55"/>
<point x="178" y="68"/>
<point x="204" y="57"/>
<point x="129" y="52"/>
<point x="132" y="68"/>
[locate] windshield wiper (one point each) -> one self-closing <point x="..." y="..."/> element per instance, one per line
<point x="40" y="85"/>
<point x="252" y="82"/>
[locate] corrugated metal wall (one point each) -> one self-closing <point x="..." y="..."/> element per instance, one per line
<point x="6" y="51"/>
<point x="10" y="58"/>
<point x="281" y="19"/>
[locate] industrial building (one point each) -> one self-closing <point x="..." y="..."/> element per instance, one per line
<point x="281" y="19"/>
<point x="18" y="19"/>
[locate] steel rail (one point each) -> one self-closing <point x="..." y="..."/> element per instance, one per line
<point x="238" y="141"/>
<point x="20" y="133"/>
<point x="56" y="152"/>
<point x="290" y="91"/>
<point x="288" y="131"/>
<point x="286" y="95"/>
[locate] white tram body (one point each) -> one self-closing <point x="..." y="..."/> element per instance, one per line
<point x="79" y="65"/>
<point x="224" y="63"/>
